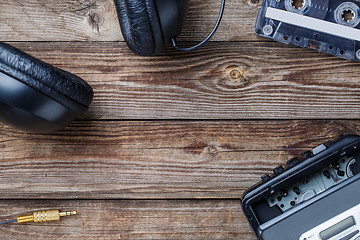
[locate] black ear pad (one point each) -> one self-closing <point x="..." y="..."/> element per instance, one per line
<point x="37" y="96"/>
<point x="60" y="85"/>
<point x="140" y="26"/>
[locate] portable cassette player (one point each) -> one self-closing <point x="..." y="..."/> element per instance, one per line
<point x="315" y="198"/>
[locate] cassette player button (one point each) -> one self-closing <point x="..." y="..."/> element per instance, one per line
<point x="265" y="178"/>
<point x="278" y="170"/>
<point x="307" y="154"/>
<point x="328" y="144"/>
<point x="292" y="162"/>
<point x="318" y="149"/>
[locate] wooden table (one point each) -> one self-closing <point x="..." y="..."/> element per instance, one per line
<point x="170" y="142"/>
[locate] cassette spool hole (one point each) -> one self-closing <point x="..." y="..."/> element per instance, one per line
<point x="298" y="4"/>
<point x="348" y="15"/>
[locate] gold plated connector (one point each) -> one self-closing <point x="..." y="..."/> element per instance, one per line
<point x="44" y="216"/>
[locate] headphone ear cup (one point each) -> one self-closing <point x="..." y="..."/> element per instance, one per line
<point x="172" y="15"/>
<point x="56" y="83"/>
<point x="33" y="85"/>
<point x="140" y="26"/>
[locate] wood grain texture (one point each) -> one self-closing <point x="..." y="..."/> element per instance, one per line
<point x="272" y="82"/>
<point x="96" y="20"/>
<point x="114" y="219"/>
<point x="178" y="137"/>
<point x="153" y="160"/>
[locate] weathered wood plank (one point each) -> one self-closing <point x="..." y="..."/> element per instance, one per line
<point x="110" y="159"/>
<point x="271" y="82"/>
<point x="152" y="160"/>
<point x="114" y="219"/>
<point x="90" y="20"/>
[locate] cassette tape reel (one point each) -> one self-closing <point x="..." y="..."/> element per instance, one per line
<point x="329" y="26"/>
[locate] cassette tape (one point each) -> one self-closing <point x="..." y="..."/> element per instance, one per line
<point x="313" y="198"/>
<point x="329" y="26"/>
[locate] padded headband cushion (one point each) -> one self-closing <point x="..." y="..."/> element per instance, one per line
<point x="140" y="26"/>
<point x="57" y="84"/>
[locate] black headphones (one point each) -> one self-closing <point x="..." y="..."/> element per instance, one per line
<point x="38" y="97"/>
<point x="148" y="25"/>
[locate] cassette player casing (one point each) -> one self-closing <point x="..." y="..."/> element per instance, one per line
<point x="330" y="26"/>
<point x="319" y="213"/>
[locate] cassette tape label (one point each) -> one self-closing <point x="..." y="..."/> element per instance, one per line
<point x="331" y="27"/>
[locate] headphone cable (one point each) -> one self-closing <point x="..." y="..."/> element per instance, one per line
<point x="9" y="221"/>
<point x="174" y="43"/>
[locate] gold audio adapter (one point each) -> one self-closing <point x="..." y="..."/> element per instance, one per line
<point x="41" y="216"/>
